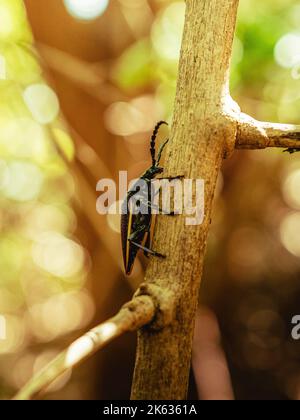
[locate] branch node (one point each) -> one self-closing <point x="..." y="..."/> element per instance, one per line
<point x="138" y="308"/>
<point x="229" y="135"/>
<point x="165" y="302"/>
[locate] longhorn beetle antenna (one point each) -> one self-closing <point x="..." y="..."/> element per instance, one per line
<point x="161" y="150"/>
<point x="153" y="138"/>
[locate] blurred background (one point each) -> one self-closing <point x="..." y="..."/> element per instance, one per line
<point x="82" y="83"/>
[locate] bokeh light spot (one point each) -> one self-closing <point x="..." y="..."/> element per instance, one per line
<point x="24" y="138"/>
<point x="58" y="255"/>
<point x="2" y="67"/>
<point x="287" y="50"/>
<point x="14" y="335"/>
<point x="137" y="116"/>
<point x="291" y="188"/>
<point x="42" y="102"/>
<point x="7" y="24"/>
<point x="45" y="218"/>
<point x="86" y="9"/>
<point x="296" y="71"/>
<point x="123" y="119"/>
<point x="290" y="233"/>
<point x="22" y="181"/>
<point x="2" y="328"/>
<point x="60" y="314"/>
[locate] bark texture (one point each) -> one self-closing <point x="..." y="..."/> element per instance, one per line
<point x="201" y="133"/>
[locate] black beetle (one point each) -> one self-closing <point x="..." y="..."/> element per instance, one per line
<point x="135" y="226"/>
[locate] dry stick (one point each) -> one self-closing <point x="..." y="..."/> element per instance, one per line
<point x="253" y="134"/>
<point x="201" y="130"/>
<point x="207" y="126"/>
<point x="132" y="316"/>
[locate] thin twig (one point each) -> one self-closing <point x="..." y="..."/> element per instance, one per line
<point x="253" y="134"/>
<point x="132" y="316"/>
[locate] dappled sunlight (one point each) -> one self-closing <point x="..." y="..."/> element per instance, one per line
<point x="77" y="105"/>
<point x="24" y="138"/>
<point x="51" y="319"/>
<point x="42" y="293"/>
<point x="137" y="116"/>
<point x="84" y="345"/>
<point x="22" y="181"/>
<point x="14" y="335"/>
<point x="12" y="20"/>
<point x="58" y="255"/>
<point x="287" y="50"/>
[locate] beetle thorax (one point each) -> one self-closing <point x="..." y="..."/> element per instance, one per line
<point x="152" y="172"/>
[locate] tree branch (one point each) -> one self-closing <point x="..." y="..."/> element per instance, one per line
<point x="200" y="131"/>
<point x="253" y="134"/>
<point x="132" y="316"/>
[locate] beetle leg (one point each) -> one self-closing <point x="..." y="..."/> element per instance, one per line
<point x="147" y="244"/>
<point x="147" y="250"/>
<point x="171" y="178"/>
<point x="137" y="232"/>
<point x="161" y="211"/>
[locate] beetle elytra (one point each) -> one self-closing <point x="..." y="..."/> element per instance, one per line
<point x="135" y="226"/>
